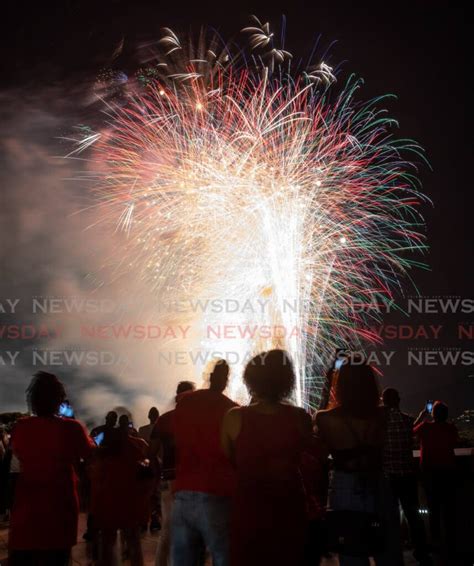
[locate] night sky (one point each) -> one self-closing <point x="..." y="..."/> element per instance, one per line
<point x="417" y="50"/>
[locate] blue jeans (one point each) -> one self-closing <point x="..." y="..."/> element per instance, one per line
<point x="197" y="519"/>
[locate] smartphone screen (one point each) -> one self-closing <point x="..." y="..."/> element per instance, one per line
<point x="429" y="406"/>
<point x="65" y="410"/>
<point x="98" y="438"/>
<point x="341" y="357"/>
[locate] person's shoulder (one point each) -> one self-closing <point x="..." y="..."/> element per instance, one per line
<point x="191" y="398"/>
<point x="303" y="418"/>
<point x="24" y="422"/>
<point x="229" y="402"/>
<point x="198" y="394"/>
<point x="72" y="425"/>
<point x="423" y="427"/>
<point x="327" y="414"/>
<point x="21" y="426"/>
<point x="322" y="416"/>
<point x="163" y="420"/>
<point x="299" y="412"/>
<point x="408" y="418"/>
<point x="144" y="429"/>
<point x="165" y="416"/>
<point x="234" y="415"/>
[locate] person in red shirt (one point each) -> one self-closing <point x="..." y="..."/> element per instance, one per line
<point x="205" y="480"/>
<point x="162" y="443"/>
<point x="44" y="518"/>
<point x="266" y="441"/>
<point x="438" y="464"/>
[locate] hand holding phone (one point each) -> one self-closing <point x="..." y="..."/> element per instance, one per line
<point x="98" y="438"/>
<point x="65" y="410"/>
<point x="341" y="357"/>
<point x="429" y="406"/>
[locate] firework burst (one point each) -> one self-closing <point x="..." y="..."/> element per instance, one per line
<point x="234" y="177"/>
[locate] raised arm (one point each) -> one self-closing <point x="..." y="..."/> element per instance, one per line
<point x="421" y="418"/>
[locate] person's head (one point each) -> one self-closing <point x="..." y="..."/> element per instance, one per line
<point x="219" y="376"/>
<point x="390" y="398"/>
<point x="184" y="387"/>
<point x="269" y="376"/>
<point x="440" y="412"/>
<point x="357" y="390"/>
<point x="123" y="422"/>
<point x="111" y="419"/>
<point x="153" y="415"/>
<point x="45" y="394"/>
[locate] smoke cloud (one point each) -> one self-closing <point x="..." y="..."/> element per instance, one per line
<point x="64" y="307"/>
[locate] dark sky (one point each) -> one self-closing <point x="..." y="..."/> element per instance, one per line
<point x="415" y="49"/>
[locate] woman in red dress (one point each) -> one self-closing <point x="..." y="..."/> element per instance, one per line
<point x="265" y="441"/>
<point x="43" y="525"/>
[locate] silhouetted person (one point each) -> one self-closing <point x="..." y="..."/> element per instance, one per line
<point x="120" y="491"/>
<point x="44" y="518"/>
<point x="97" y="434"/>
<point x="265" y="441"/>
<point x="162" y="443"/>
<point x="110" y="422"/>
<point x="438" y="440"/>
<point x="399" y="467"/>
<point x="354" y="432"/>
<point x="205" y="480"/>
<point x="145" y="430"/>
<point x="145" y="433"/>
<point x="125" y="423"/>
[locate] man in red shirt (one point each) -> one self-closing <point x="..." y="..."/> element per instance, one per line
<point x="205" y="479"/>
<point x="438" y="464"/>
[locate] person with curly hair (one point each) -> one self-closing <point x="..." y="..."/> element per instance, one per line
<point x="45" y="512"/>
<point x="265" y="441"/>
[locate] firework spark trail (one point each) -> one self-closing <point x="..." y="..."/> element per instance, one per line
<point x="250" y="183"/>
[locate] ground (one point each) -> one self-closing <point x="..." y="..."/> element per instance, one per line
<point x="81" y="558"/>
